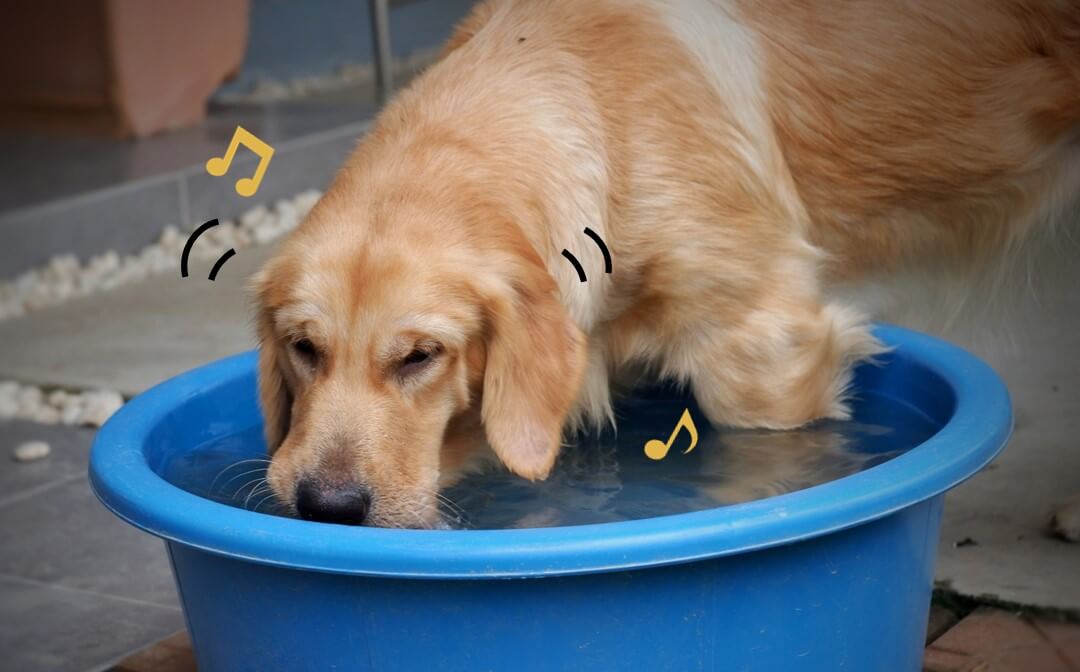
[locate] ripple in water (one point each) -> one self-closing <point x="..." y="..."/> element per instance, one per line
<point x="608" y="478"/>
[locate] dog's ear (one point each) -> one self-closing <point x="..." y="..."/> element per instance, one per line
<point x="535" y="362"/>
<point x="274" y="395"/>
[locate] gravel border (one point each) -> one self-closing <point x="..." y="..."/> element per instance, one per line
<point x="64" y="278"/>
<point x="90" y="408"/>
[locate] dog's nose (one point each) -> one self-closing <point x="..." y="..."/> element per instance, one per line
<point x="342" y="504"/>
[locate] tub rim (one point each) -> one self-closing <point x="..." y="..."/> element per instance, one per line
<point x="125" y="483"/>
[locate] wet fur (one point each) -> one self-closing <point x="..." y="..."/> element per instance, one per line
<point x="759" y="170"/>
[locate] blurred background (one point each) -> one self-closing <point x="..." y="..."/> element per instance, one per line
<point x="109" y="111"/>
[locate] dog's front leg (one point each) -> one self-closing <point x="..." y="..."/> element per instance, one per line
<point x="781" y="366"/>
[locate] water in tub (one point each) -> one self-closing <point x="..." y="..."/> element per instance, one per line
<point x="608" y="477"/>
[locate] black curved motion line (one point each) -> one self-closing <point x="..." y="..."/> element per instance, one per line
<point x="191" y="242"/>
<point x="603" y="248"/>
<point x="577" y="266"/>
<point x="221" y="262"/>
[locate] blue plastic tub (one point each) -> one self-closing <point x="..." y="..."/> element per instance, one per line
<point x="834" y="577"/>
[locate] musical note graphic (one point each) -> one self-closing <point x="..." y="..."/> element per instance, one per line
<point x="218" y="166"/>
<point x="657" y="450"/>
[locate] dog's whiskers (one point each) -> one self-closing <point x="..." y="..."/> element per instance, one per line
<point x="446" y="512"/>
<point x="424" y="523"/>
<point x="254" y="484"/>
<point x="262" y="488"/>
<point x="263" y="501"/>
<point x="457" y="514"/>
<point x="225" y="485"/>
<point x="231" y="466"/>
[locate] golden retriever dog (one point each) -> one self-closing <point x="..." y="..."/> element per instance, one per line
<point x="749" y="164"/>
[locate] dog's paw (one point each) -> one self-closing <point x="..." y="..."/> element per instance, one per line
<point x="1065" y="523"/>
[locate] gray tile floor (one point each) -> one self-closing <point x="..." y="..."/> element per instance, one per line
<point x="135" y="336"/>
<point x="78" y="588"/>
<point x="1005" y="509"/>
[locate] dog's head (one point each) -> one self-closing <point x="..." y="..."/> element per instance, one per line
<point x="396" y="333"/>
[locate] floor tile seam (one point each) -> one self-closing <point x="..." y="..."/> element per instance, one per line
<point x="46" y="585"/>
<point x="1065" y="660"/>
<point x="40" y="489"/>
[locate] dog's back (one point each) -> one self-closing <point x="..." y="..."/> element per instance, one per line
<point x="936" y="146"/>
<point x="921" y="129"/>
<point x="916" y="133"/>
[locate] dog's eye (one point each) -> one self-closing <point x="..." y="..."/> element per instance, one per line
<point x="416" y="361"/>
<point x="305" y="348"/>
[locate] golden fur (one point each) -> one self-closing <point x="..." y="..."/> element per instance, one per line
<point x="740" y="158"/>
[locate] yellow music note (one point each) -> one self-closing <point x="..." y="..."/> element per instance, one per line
<point x="658" y="450"/>
<point x="218" y="166"/>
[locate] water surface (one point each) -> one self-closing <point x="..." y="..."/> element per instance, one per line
<point x="608" y="477"/>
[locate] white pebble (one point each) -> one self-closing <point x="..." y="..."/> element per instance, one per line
<point x="264" y="235"/>
<point x="254" y="217"/>
<point x="57" y="398"/>
<point x="287" y="212"/>
<point x="99" y="407"/>
<point x="172" y="239"/>
<point x="71" y="411"/>
<point x="31" y="451"/>
<point x="109" y="261"/>
<point x="29" y="393"/>
<point x="1065" y="523"/>
<point x="28" y="400"/>
<point x="45" y="415"/>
